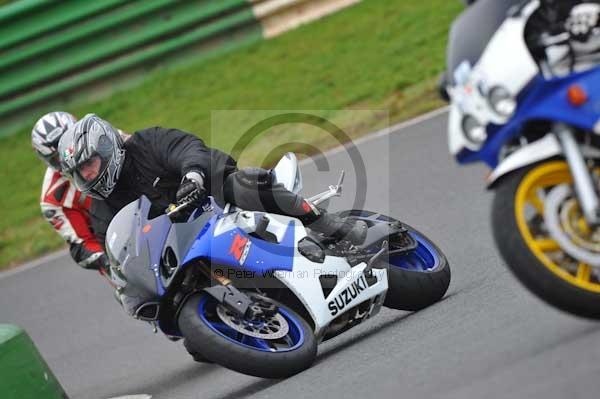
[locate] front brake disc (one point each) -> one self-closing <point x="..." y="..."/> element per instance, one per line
<point x="555" y="199"/>
<point x="271" y="327"/>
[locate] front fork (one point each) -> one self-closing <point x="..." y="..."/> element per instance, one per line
<point x="585" y="187"/>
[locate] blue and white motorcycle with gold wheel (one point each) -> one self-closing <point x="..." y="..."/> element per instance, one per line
<point x="256" y="292"/>
<point x="523" y="80"/>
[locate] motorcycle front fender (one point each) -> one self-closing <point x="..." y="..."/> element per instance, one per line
<point x="537" y="151"/>
<point x="545" y="148"/>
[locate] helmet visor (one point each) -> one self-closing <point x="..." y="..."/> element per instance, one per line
<point x="88" y="172"/>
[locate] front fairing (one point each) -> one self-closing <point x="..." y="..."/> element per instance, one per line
<point x="473" y="29"/>
<point x="545" y="100"/>
<point x="506" y="63"/>
<point x="227" y="240"/>
<point x="134" y="244"/>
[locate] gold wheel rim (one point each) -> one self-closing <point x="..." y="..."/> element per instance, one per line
<point x="545" y="176"/>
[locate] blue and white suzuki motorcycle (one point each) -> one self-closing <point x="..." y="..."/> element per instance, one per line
<point x="523" y="81"/>
<point x="256" y="292"/>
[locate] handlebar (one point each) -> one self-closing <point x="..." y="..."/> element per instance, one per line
<point x="172" y="209"/>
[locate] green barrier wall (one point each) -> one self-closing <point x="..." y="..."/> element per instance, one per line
<point x="49" y="48"/>
<point x="23" y="372"/>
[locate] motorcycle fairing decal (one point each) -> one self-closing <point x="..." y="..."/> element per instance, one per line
<point x="240" y="247"/>
<point x="264" y="257"/>
<point x="347" y="296"/>
<point x="304" y="284"/>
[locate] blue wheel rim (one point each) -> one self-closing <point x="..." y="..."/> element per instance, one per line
<point x="293" y="340"/>
<point x="424" y="258"/>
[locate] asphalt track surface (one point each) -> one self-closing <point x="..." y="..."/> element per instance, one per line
<point x="488" y="338"/>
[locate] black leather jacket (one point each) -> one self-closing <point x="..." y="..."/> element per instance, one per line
<point x="155" y="161"/>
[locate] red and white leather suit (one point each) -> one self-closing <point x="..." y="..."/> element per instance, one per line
<point x="67" y="210"/>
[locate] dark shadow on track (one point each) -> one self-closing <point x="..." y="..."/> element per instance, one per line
<point x="192" y="373"/>
<point x="388" y="324"/>
<point x="261" y="385"/>
<point x="251" y="389"/>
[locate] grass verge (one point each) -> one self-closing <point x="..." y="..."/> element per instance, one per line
<point x="378" y="55"/>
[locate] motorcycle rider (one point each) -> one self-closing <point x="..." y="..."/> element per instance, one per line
<point x="63" y="206"/>
<point x="170" y="166"/>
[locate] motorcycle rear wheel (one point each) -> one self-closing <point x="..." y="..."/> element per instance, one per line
<point x="416" y="279"/>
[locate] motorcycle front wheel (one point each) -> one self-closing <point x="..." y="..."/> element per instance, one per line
<point x="527" y="241"/>
<point x="278" y="346"/>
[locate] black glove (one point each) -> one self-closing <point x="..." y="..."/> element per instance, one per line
<point x="191" y="190"/>
<point x="104" y="263"/>
<point x="101" y="263"/>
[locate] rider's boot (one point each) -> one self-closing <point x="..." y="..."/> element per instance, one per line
<point x="354" y="231"/>
<point x="253" y="188"/>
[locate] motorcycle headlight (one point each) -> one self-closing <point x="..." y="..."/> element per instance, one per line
<point x="501" y="101"/>
<point x="474" y="131"/>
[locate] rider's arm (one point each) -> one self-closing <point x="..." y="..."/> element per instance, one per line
<point x="86" y="251"/>
<point x="61" y="208"/>
<point x="178" y="151"/>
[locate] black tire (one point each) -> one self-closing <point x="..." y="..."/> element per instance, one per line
<point x="525" y="265"/>
<point x="416" y="290"/>
<point x="201" y="339"/>
<point x="408" y="289"/>
<point x="197" y="356"/>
